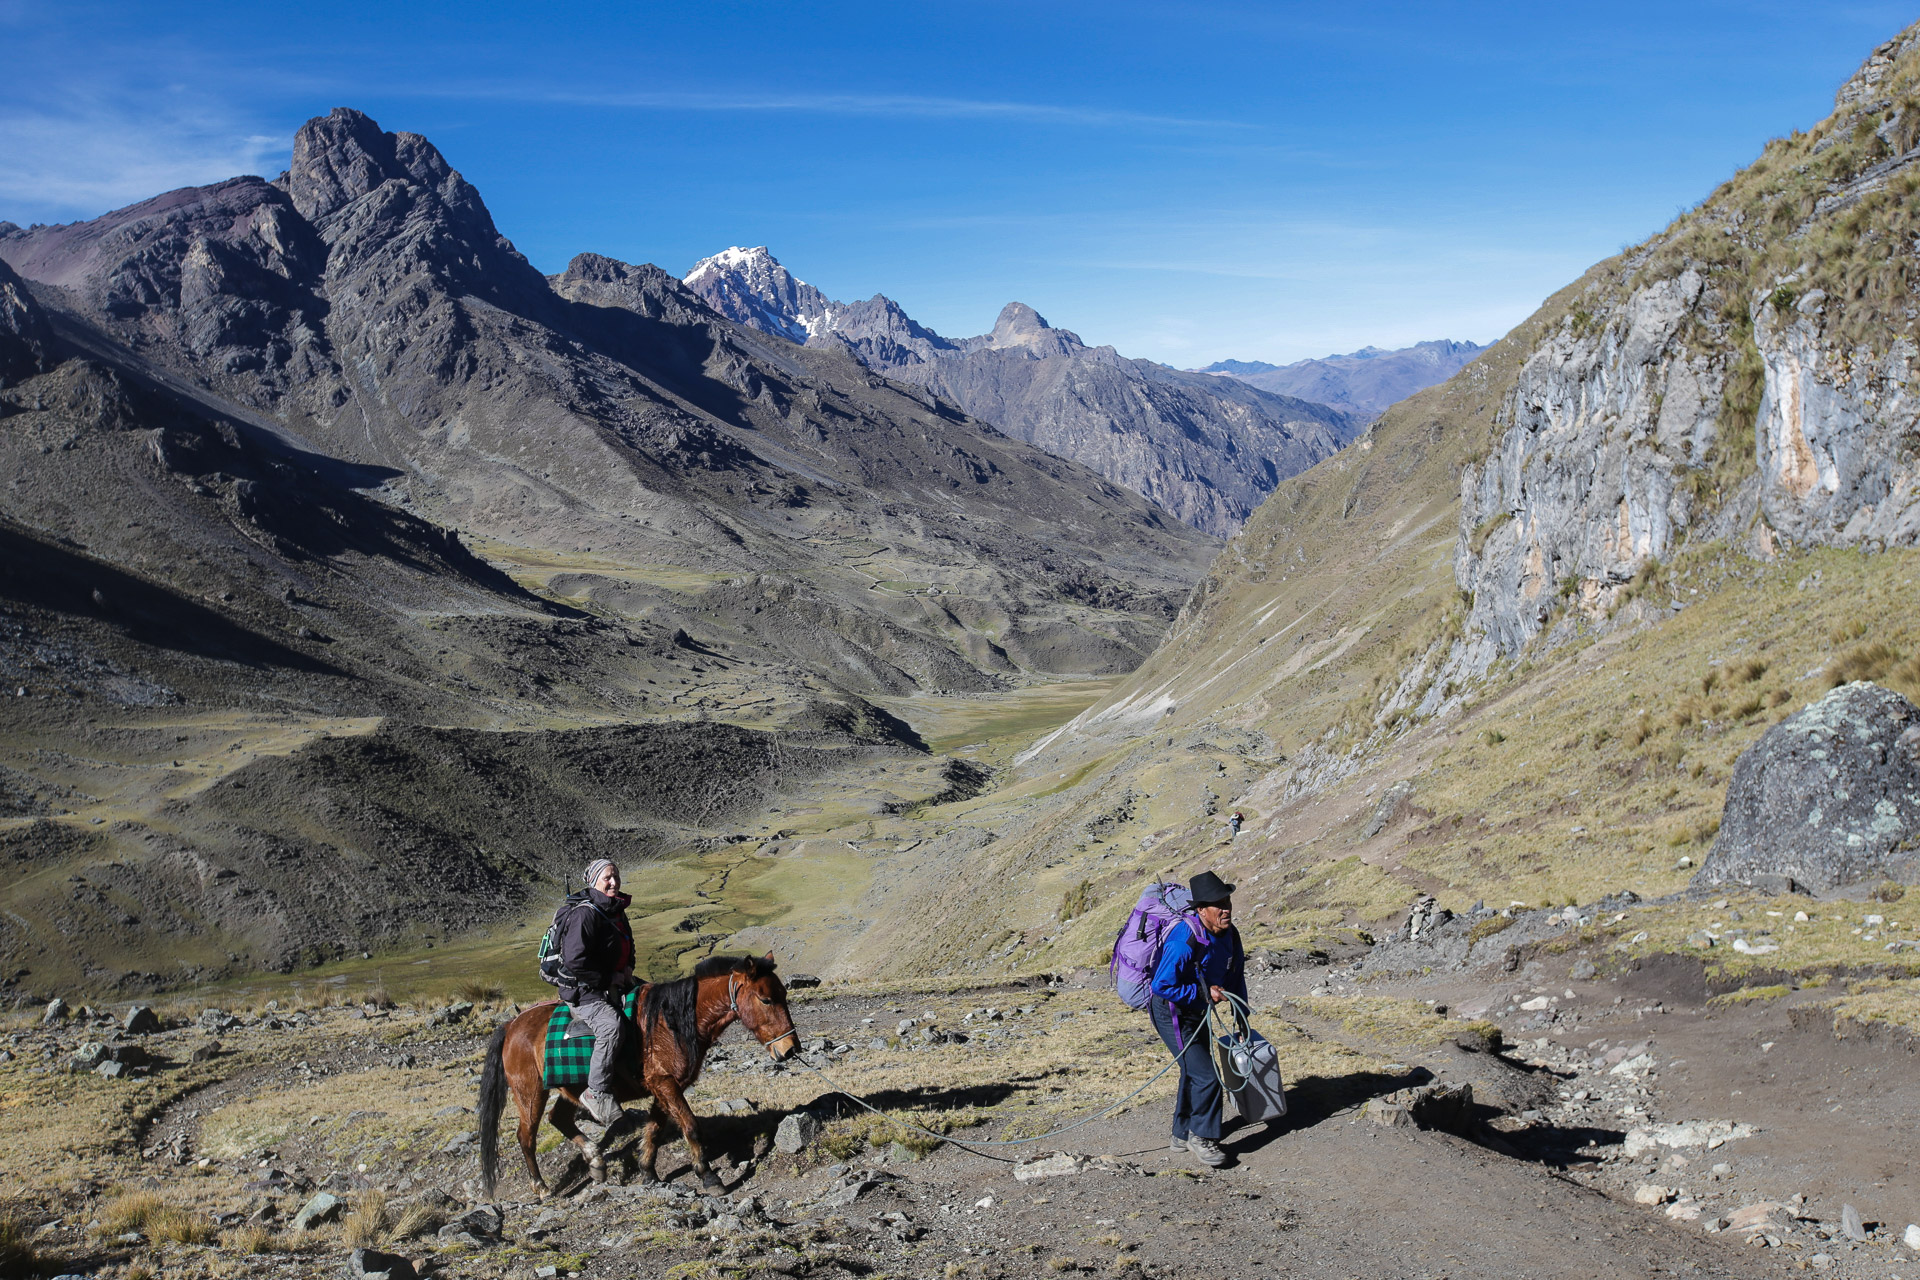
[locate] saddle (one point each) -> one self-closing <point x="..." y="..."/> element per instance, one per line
<point x="564" y="1064"/>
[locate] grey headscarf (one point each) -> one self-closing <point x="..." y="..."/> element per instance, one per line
<point x="594" y="869"/>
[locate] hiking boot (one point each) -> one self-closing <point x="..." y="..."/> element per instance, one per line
<point x="601" y="1107"/>
<point x="1207" y="1152"/>
<point x="1178" y="1145"/>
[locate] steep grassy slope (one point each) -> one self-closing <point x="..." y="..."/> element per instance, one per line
<point x="1508" y="645"/>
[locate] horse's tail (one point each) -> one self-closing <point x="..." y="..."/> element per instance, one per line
<point x="493" y="1100"/>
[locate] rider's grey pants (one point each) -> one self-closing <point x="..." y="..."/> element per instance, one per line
<point x="608" y="1028"/>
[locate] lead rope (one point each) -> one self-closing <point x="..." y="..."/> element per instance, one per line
<point x="971" y="1143"/>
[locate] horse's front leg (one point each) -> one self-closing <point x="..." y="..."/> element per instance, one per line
<point x="565" y="1109"/>
<point x="669" y="1096"/>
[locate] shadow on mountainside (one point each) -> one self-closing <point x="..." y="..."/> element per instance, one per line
<point x="41" y="575"/>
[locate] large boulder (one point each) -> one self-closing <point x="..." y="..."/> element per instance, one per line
<point x="1827" y="798"/>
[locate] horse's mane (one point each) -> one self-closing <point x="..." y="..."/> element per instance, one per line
<point x="676" y="1003"/>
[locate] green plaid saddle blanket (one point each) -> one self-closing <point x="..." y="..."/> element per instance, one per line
<point x="565" y="1064"/>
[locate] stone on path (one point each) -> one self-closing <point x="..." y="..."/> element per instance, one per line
<point x="796" y="1132"/>
<point x="1850" y="1223"/>
<point x="1912" y="1237"/>
<point x="324" y="1207"/>
<point x="56" y="1010"/>
<point x="1649" y="1193"/>
<point x="371" y="1264"/>
<point x="1826" y="798"/>
<point x="141" y="1021"/>
<point x="1056" y="1165"/>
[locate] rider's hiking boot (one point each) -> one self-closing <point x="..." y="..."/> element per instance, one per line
<point x="1207" y="1152"/>
<point x="1178" y="1145"/>
<point x="600" y="1106"/>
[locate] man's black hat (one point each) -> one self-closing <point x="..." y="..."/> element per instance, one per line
<point x="1208" y="888"/>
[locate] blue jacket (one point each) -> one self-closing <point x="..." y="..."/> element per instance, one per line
<point x="1188" y="966"/>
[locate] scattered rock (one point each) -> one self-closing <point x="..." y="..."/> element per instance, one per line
<point x="1711" y="1134"/>
<point x="1582" y="971"/>
<point x="56" y="1009"/>
<point x="324" y="1207"/>
<point x="141" y="1021"/>
<point x="206" y="1052"/>
<point x="797" y="1132"/>
<point x="1828" y="797"/>
<point x="1649" y="1193"/>
<point x="801" y="981"/>
<point x="1055" y="1165"/>
<point x="1850" y="1223"/>
<point x="1480" y="1039"/>
<point x="479" y="1226"/>
<point x="371" y="1264"/>
<point x="1390" y="1114"/>
<point x="1763" y="1216"/>
<point x="1911" y="1238"/>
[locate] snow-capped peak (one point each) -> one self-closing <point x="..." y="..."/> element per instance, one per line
<point x="751" y="287"/>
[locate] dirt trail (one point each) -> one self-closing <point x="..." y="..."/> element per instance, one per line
<point x="359" y="1104"/>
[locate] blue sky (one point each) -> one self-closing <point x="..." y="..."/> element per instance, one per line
<point x="1187" y="182"/>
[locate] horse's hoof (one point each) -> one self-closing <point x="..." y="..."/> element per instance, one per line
<point x="709" y="1179"/>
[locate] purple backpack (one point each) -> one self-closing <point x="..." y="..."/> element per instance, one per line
<point x="1136" y="951"/>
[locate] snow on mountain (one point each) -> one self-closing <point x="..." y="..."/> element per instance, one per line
<point x="749" y="286"/>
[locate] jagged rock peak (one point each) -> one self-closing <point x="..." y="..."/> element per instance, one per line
<point x="1019" y="325"/>
<point x="749" y="286"/>
<point x="340" y="157"/>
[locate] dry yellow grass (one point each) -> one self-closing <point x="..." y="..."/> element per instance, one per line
<point x="365" y="1224"/>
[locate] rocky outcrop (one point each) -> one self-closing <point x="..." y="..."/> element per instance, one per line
<point x="1364" y="382"/>
<point x="24" y="336"/>
<point x="1702" y="387"/>
<point x="1826" y="798"/>
<point x="1206" y="449"/>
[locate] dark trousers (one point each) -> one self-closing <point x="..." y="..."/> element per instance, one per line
<point x="1196" y="1108"/>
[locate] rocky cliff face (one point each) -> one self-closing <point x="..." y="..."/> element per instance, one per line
<point x="1365" y="382"/>
<point x="1744" y="376"/>
<point x="1208" y="450"/>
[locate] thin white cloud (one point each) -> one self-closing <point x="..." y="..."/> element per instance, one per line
<point x="57" y="165"/>
<point x="847" y="104"/>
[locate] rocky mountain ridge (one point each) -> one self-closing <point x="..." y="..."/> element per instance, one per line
<point x="341" y="544"/>
<point x="1208" y="450"/>
<point x="1363" y="382"/>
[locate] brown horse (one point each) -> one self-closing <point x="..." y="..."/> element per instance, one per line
<point x="679" y="1021"/>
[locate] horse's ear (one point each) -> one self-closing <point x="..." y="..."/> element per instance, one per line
<point x="771" y="963"/>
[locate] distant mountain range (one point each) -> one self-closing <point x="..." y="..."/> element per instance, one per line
<point x="1206" y="449"/>
<point x="1364" y="382"/>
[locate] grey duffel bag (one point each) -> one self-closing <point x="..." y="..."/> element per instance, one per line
<point x="1250" y="1074"/>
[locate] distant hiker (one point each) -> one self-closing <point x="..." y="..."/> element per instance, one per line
<point x="1233" y="825"/>
<point x="1200" y="964"/>
<point x="595" y="945"/>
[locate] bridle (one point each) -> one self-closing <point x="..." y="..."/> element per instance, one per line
<point x="733" y="1007"/>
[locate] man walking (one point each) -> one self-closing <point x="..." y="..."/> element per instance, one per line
<point x="1200" y="964"/>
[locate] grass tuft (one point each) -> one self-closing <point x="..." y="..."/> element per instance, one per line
<point x="1862" y="662"/>
<point x="365" y="1224"/>
<point x="475" y="991"/>
<point x="18" y="1257"/>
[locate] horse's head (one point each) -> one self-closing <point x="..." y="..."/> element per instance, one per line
<point x="760" y="998"/>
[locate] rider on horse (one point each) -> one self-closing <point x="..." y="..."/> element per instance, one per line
<point x="596" y="951"/>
